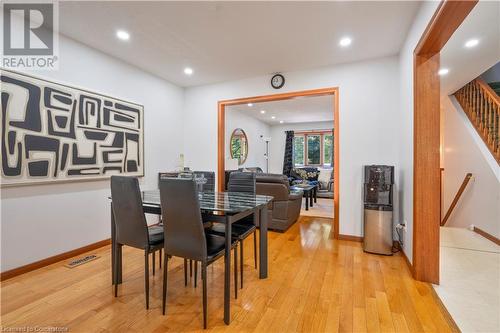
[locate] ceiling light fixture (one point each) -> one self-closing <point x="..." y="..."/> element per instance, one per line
<point x="273" y="117"/>
<point x="443" y="71"/>
<point x="188" y="71"/>
<point x="122" y="34"/>
<point x="250" y="104"/>
<point x="471" y="43"/>
<point x="281" y="121"/>
<point x="262" y="111"/>
<point x="346" y="41"/>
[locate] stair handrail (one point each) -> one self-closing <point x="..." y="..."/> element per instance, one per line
<point x="481" y="104"/>
<point x="461" y="190"/>
<point x="488" y="90"/>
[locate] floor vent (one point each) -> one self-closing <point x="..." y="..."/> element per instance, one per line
<point x="81" y="261"/>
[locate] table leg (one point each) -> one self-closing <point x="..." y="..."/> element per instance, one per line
<point x="227" y="272"/>
<point x="263" y="242"/>
<point x="316" y="194"/>
<point x="307" y="200"/>
<point x="311" y="198"/>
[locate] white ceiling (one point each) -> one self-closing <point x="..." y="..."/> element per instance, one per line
<point x="483" y="23"/>
<point x="225" y="41"/>
<point x="296" y="110"/>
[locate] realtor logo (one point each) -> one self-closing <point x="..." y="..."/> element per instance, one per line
<point x="29" y="35"/>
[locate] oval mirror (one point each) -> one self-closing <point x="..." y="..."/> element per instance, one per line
<point x="238" y="145"/>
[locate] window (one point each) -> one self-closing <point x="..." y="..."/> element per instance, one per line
<point x="298" y="150"/>
<point x="327" y="149"/>
<point x="313" y="148"/>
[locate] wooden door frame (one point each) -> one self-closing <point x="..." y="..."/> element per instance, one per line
<point x="221" y="125"/>
<point x="426" y="131"/>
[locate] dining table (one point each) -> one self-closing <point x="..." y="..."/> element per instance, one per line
<point x="219" y="207"/>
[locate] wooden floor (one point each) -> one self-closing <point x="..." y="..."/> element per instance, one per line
<point x="316" y="284"/>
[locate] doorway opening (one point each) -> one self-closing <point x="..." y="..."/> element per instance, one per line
<point x="333" y="93"/>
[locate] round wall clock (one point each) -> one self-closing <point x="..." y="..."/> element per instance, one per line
<point x="277" y="81"/>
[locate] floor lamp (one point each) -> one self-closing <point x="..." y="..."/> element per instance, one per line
<point x="266" y="140"/>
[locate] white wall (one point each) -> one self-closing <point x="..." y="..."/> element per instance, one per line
<point x="404" y="174"/>
<point x="45" y="220"/>
<point x="369" y="127"/>
<point x="253" y="128"/>
<point x="464" y="151"/>
<point x="278" y="136"/>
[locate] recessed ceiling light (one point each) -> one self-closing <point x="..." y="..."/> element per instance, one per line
<point x="443" y="71"/>
<point x="188" y="71"/>
<point x="250" y="104"/>
<point x="471" y="43"/>
<point x="262" y="111"/>
<point x="281" y="121"/>
<point x="273" y="117"/>
<point x="123" y="35"/>
<point x="346" y="41"/>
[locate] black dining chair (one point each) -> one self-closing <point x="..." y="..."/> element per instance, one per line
<point x="185" y="235"/>
<point x="130" y="222"/>
<point x="243" y="182"/>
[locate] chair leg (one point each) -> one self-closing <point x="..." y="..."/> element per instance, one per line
<point x="255" y="249"/>
<point x="204" y="278"/>
<point x="159" y="260"/>
<point x="185" y="273"/>
<point x="146" y="276"/>
<point x="190" y="268"/>
<point x="165" y="268"/>
<point x="235" y="272"/>
<point x="154" y="263"/>
<point x="195" y="273"/>
<point x="241" y="264"/>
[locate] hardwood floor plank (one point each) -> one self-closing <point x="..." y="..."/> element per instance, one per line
<point x="315" y="284"/>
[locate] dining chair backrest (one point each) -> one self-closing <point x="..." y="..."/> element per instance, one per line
<point x="184" y="234"/>
<point x="241" y="182"/>
<point x="209" y="186"/>
<point x="131" y="226"/>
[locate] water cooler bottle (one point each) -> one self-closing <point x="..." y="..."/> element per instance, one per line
<point x="378" y="185"/>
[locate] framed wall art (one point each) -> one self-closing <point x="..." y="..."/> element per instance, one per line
<point x="52" y="132"/>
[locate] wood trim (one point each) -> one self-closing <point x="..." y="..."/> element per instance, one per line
<point x="221" y="133"/>
<point x="426" y="140"/>
<point x="447" y="18"/>
<point x="487" y="235"/>
<point x="350" y="238"/>
<point x="334" y="92"/>
<point x="447" y="316"/>
<point x="457" y="197"/>
<point x="51" y="260"/>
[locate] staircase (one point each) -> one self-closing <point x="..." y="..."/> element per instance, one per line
<point x="481" y="104"/>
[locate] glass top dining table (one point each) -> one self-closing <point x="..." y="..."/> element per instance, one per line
<point x="223" y="207"/>
<point x="224" y="202"/>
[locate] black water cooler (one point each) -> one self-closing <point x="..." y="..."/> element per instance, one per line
<point x="378" y="209"/>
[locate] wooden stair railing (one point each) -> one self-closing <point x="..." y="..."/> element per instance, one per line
<point x="457" y="197"/>
<point x="482" y="106"/>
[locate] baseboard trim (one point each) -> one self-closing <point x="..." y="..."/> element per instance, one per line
<point x="51" y="260"/>
<point x="350" y="238"/>
<point x="487" y="235"/>
<point x="447" y="316"/>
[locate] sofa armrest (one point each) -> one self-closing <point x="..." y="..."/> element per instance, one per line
<point x="295" y="195"/>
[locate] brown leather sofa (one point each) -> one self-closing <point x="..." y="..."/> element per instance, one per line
<point x="284" y="210"/>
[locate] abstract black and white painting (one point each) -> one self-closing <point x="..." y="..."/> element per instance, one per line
<point x="54" y="132"/>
